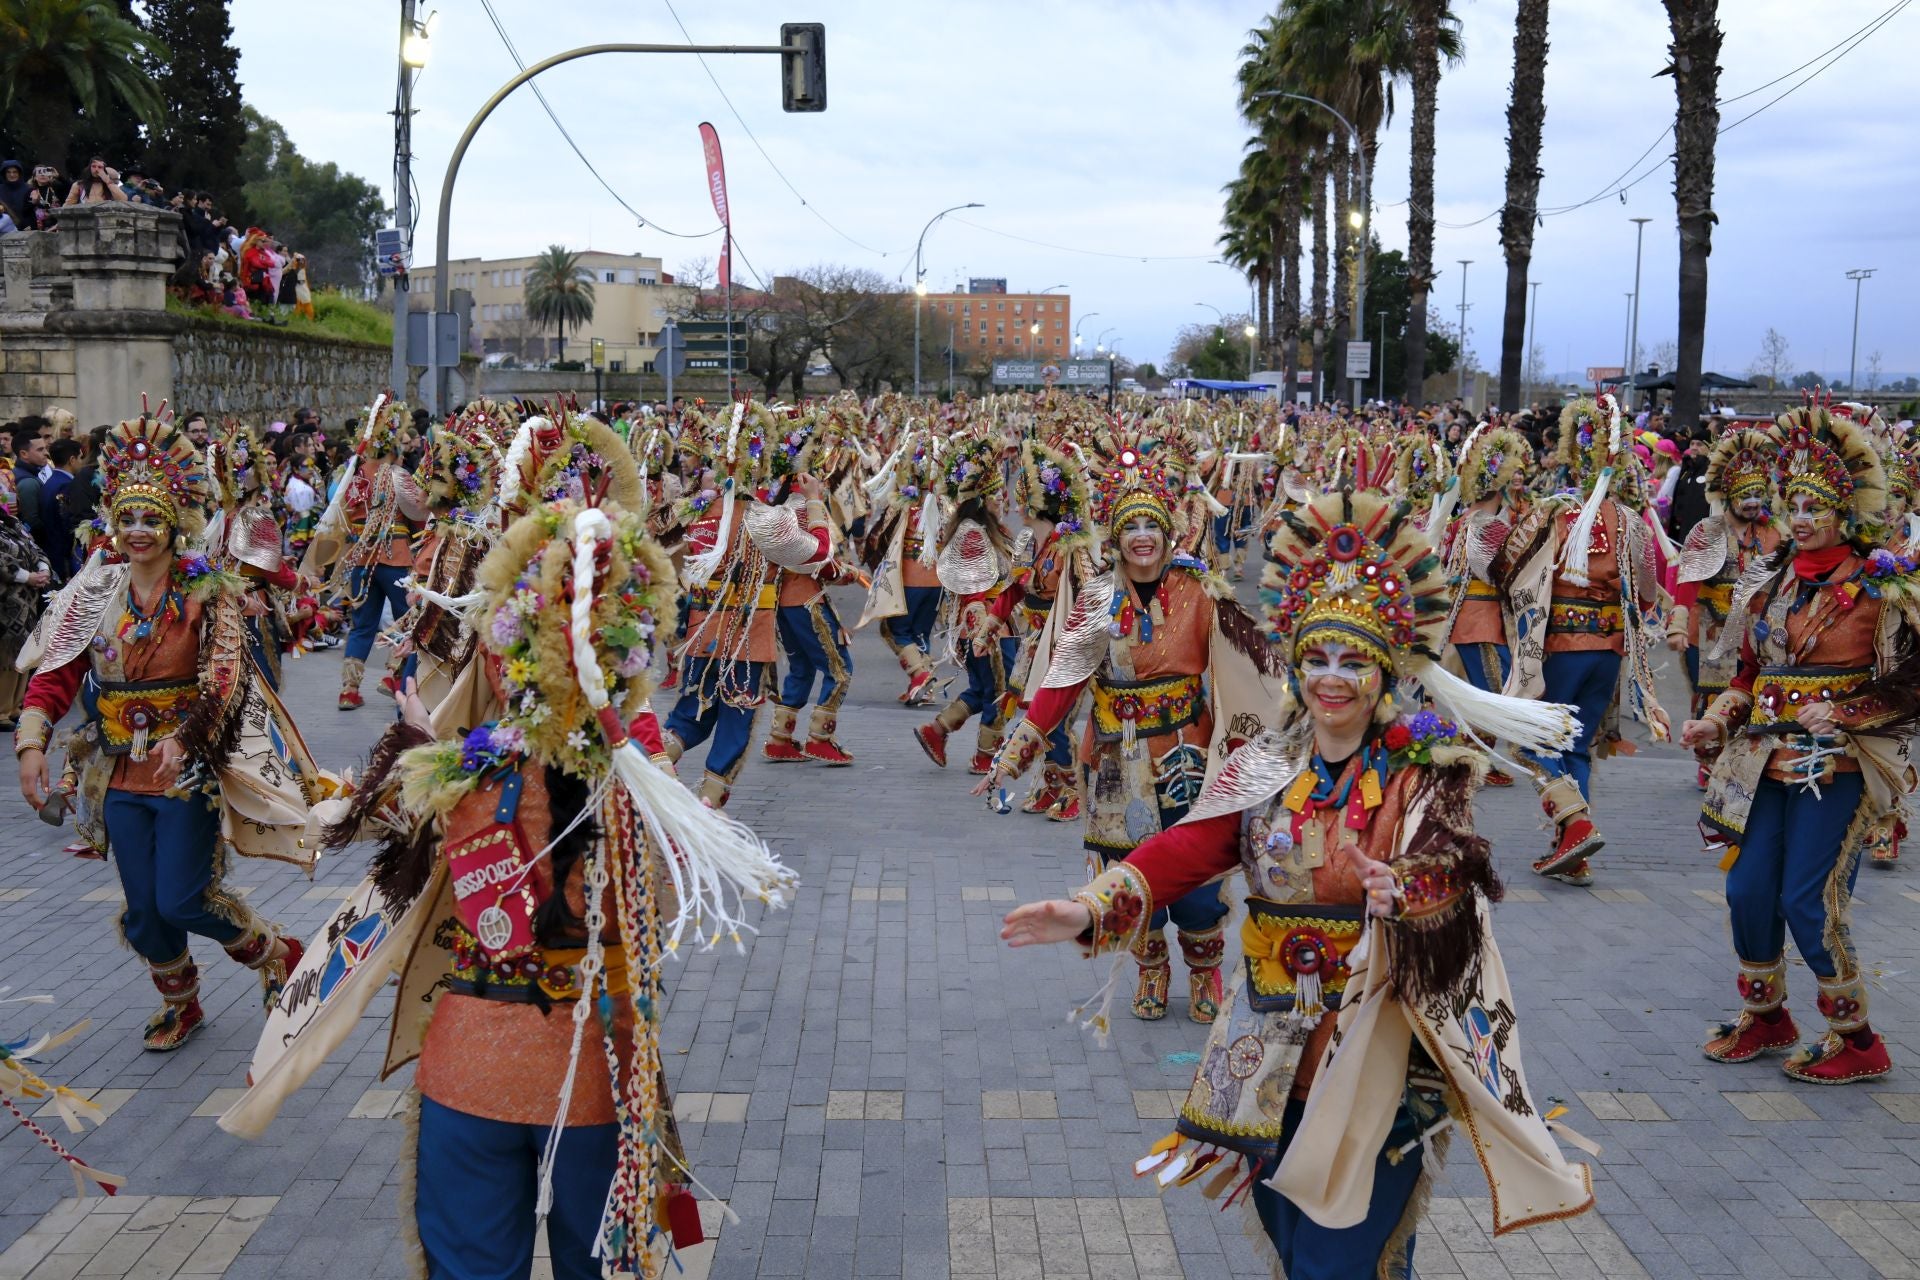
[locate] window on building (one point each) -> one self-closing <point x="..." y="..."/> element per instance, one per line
<point x="1059" y="306"/>
<point x="1059" y="324"/>
<point x="610" y="277"/>
<point x="999" y="306"/>
<point x="1056" y="342"/>
<point x="999" y="342"/>
<point x="1016" y="308"/>
<point x="999" y="326"/>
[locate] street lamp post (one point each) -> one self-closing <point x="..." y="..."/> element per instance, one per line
<point x="1626" y="361"/>
<point x="1464" y="264"/>
<point x="920" y="283"/>
<point x="1251" y="333"/>
<point x="1633" y="333"/>
<point x="413" y="56"/>
<point x="1526" y="364"/>
<point x="1359" y="217"/>
<point x="444" y="220"/>
<point x="1859" y="276"/>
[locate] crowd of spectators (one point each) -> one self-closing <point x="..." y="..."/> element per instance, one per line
<point x="243" y="270"/>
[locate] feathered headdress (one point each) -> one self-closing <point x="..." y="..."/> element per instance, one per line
<point x="1741" y="465"/>
<point x="148" y="462"/>
<point x="1134" y="473"/>
<point x="1832" y="459"/>
<point x="1594" y="449"/>
<point x="239" y="464"/>
<point x="1352" y="568"/>
<point x="463" y="477"/>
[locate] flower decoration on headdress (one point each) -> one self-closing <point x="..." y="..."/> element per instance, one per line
<point x="1051" y="483"/>
<point x="586" y="462"/>
<point x="379" y="437"/>
<point x="526" y="624"/>
<point x="1740" y="467"/>
<point x="1831" y="459"/>
<point x="464" y="474"/>
<point x="148" y="462"/>
<point x="1490" y="462"/>
<point x="1353" y="569"/>
<point x="239" y="464"/>
<point x="969" y="468"/>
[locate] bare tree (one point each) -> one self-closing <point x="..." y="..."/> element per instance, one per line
<point x="1775" y="361"/>
<point x="1666" y="354"/>
<point x="694" y="273"/>
<point x="1536" y="373"/>
<point x="1873" y="371"/>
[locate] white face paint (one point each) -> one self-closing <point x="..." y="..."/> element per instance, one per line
<point x="1816" y="526"/>
<point x="142" y="533"/>
<point x="1143" y="542"/>
<point x="1342" y="686"/>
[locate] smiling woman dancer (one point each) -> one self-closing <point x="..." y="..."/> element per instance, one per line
<point x="1374" y="1010"/>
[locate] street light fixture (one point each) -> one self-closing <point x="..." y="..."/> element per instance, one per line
<point x="1633" y="329"/>
<point x="1357" y="216"/>
<point x="1858" y="275"/>
<point x="1251" y="333"/>
<point x="414" y="45"/>
<point x="920" y="282"/>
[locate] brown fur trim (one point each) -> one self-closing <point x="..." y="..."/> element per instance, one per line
<point x="1437" y="956"/>
<point x="1242" y="630"/>
<point x="212" y="727"/>
<point x="403" y="863"/>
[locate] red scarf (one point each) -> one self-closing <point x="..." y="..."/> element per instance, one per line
<point x="1814" y="566"/>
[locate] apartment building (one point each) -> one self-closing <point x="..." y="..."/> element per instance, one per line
<point x="989" y="321"/>
<point x="632" y="300"/>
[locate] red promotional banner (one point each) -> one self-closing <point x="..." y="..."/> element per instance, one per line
<point x="717" y="188"/>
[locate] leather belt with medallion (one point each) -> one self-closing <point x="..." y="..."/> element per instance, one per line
<point x="1149" y="707"/>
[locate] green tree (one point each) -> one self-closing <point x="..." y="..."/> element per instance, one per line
<point x="1526" y="119"/>
<point x="1696" y="129"/>
<point x="67" y="66"/>
<point x="1390" y="293"/>
<point x="1435" y="34"/>
<point x="316" y="209"/>
<point x="197" y="145"/>
<point x="558" y="293"/>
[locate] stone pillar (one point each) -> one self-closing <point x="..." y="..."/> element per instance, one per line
<point x="118" y="258"/>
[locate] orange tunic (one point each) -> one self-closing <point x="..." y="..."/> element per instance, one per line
<point x="1601" y="592"/>
<point x="713" y="613"/>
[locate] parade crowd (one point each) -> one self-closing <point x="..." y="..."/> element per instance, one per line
<point x="575" y="620"/>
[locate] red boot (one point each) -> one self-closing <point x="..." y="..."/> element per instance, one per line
<point x="919" y="689"/>
<point x="178" y="982"/>
<point x="1047" y="794"/>
<point x="933" y="740"/>
<point x="780" y="746"/>
<point x="1576" y="840"/>
<point x="827" y="751"/>
<point x="1850" y="1050"/>
<point x="981" y="764"/>
<point x="1764" y="1025"/>
<point x="1499" y="778"/>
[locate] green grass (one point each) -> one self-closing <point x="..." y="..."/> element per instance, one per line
<point x="335" y="316"/>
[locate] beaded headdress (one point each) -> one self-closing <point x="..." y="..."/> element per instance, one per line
<point x="239" y="464"/>
<point x="1353" y="569"/>
<point x="1137" y="474"/>
<point x="148" y="462"/>
<point x="1903" y="473"/>
<point x="1740" y="466"/>
<point x="1051" y="483"/>
<point x="1831" y="459"/>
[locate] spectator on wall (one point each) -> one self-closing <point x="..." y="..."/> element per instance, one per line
<point x="99" y="185"/>
<point x="14" y="186"/>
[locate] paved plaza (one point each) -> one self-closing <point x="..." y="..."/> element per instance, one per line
<point x="881" y="1088"/>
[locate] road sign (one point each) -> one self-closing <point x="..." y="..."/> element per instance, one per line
<point x="671" y="339"/>
<point x="672" y="363"/>
<point x="390" y="250"/>
<point x="1601" y="372"/>
<point x="1359" y="361"/>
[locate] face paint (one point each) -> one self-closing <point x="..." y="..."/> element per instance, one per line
<point x="140" y="520"/>
<point x="1135" y="536"/>
<point x="1338" y="662"/>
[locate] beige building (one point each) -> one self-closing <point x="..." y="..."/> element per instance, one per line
<point x="632" y="299"/>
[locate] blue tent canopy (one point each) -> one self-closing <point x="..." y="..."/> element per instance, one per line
<point x="1216" y="384"/>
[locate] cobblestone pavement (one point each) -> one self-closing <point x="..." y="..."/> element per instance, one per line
<point x="881" y="1088"/>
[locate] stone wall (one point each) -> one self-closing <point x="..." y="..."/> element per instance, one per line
<point x="262" y="374"/>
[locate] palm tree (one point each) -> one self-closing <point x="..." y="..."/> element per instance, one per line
<point x="1696" y="124"/>
<point x="559" y="292"/>
<point x="1247" y="245"/>
<point x="1526" y="117"/>
<point x="59" y="55"/>
<point x="1436" y="34"/>
<point x="1275" y="155"/>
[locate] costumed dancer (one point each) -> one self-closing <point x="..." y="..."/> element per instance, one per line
<point x="1813" y="731"/>
<point x="1901" y="536"/>
<point x="367" y="535"/>
<point x="1151" y="635"/>
<point x="184" y="755"/>
<point x="1050" y="484"/>
<point x="244" y="538"/>
<point x="1737" y="532"/>
<point x="972" y="559"/>
<point x="901" y="543"/>
<point x="736" y="551"/>
<point x="1493" y="466"/>
<point x="815" y="644"/>
<point x="1373" y="1016"/>
<point x="535" y="873"/>
<point x="1579" y="585"/>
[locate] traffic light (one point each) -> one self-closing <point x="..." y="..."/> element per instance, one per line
<point x="803" y="72"/>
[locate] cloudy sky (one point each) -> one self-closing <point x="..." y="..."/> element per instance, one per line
<point x="1098" y="135"/>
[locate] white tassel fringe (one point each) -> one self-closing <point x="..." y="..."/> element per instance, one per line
<point x="1543" y="728"/>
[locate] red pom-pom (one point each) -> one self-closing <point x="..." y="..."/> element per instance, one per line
<point x="1398" y="737"/>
